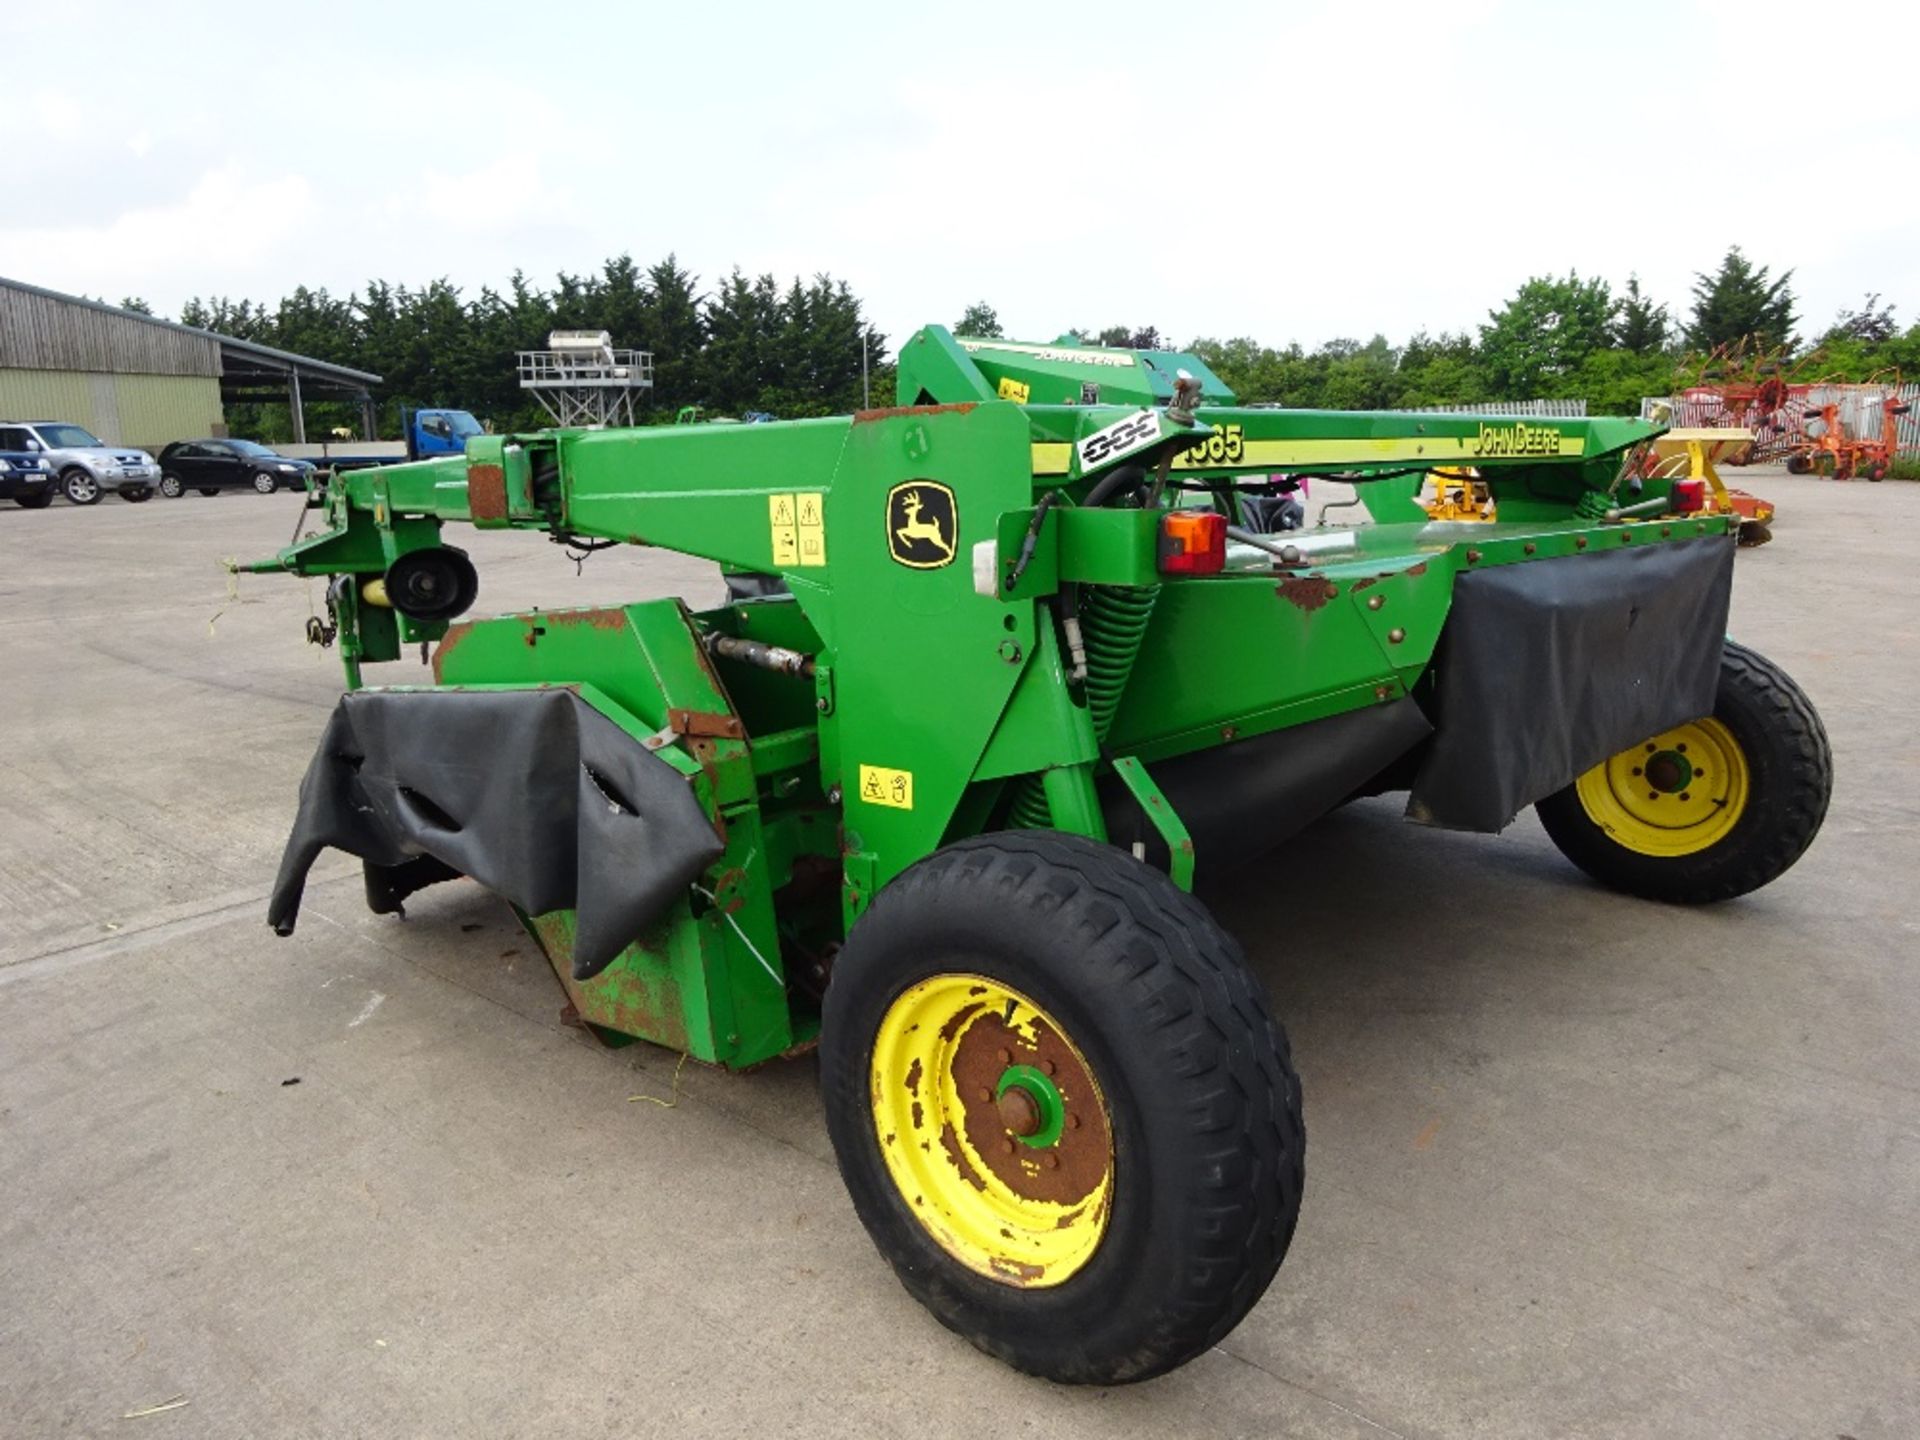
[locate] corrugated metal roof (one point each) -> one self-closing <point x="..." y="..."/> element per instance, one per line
<point x="31" y="341"/>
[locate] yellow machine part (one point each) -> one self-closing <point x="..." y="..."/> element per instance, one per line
<point x="1026" y="1206"/>
<point x="1457" y="493"/>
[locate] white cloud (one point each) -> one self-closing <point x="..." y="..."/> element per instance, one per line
<point x="231" y="225"/>
<point x="1289" y="169"/>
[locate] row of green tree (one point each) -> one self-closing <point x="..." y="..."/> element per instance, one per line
<point x="1556" y="338"/>
<point x="750" y="344"/>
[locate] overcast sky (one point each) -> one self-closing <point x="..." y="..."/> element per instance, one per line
<point x="1286" y="171"/>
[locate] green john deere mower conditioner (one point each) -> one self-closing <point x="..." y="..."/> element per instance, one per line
<point x="1006" y="667"/>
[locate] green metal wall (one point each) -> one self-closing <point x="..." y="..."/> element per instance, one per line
<point x="147" y="411"/>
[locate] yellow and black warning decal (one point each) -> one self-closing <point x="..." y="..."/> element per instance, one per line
<point x="882" y="786"/>
<point x="797" y="526"/>
<point x="923" y="524"/>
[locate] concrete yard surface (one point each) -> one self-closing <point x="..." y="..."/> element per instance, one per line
<point x="1578" y="1165"/>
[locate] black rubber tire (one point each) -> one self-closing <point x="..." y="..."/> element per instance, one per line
<point x="79" y="487"/>
<point x="209" y="490"/>
<point x="171" y="487"/>
<point x="35" y="499"/>
<point x="1205" y="1106"/>
<point x="1798" y="464"/>
<point x="1790" y="764"/>
<point x="134" y="494"/>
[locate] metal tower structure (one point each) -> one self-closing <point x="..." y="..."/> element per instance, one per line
<point x="582" y="381"/>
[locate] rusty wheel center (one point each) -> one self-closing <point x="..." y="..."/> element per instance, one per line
<point x="1019" y="1112"/>
<point x="1029" y="1109"/>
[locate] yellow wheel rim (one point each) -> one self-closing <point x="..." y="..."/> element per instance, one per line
<point x="1676" y="794"/>
<point x="994" y="1129"/>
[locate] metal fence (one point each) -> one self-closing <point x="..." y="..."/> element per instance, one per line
<point x="1859" y="411"/>
<point x="1527" y="409"/>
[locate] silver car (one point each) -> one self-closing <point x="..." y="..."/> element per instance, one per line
<point x="87" y="467"/>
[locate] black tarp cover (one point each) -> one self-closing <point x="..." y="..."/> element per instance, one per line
<point x="533" y="793"/>
<point x="1548" y="667"/>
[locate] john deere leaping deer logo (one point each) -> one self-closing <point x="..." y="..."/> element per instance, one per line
<point x="923" y="524"/>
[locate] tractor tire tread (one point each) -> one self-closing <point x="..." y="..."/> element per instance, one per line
<point x="1785" y="821"/>
<point x="1189" y="982"/>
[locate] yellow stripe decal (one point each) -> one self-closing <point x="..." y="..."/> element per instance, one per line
<point x="1055" y="457"/>
<point x="1435" y="449"/>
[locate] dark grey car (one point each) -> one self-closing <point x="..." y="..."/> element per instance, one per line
<point x="211" y="466"/>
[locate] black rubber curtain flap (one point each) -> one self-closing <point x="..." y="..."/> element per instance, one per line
<point x="533" y="793"/>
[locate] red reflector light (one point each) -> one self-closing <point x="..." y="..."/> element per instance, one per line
<point x="1193" y="542"/>
<point x="1689" y="497"/>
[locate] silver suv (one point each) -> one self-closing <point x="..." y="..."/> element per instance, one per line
<point x="87" y="468"/>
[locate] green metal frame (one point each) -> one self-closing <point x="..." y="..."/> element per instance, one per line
<point x="941" y="700"/>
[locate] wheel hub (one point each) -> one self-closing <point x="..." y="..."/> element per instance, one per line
<point x="1669" y="772"/>
<point x="1031" y="1106"/>
<point x="1676" y="794"/>
<point x="1019" y="1112"/>
<point x="994" y="1129"/>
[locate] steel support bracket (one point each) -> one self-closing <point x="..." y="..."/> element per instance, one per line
<point x="1165" y="819"/>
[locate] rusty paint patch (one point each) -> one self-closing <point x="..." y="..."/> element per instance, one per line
<point x="1365" y="581"/>
<point x="455" y="634"/>
<point x="486" y="492"/>
<point x="707" y="722"/>
<point x="600" y="619"/>
<point x="729" y="890"/>
<point x="1304" y="593"/>
<point x="1018" y="1271"/>
<point x="1419" y="569"/>
<point x="957" y="1020"/>
<point x="913" y="1077"/>
<point x="623" y="997"/>
<point x="950" y="1142"/>
<point x="868" y="417"/>
<point x="919" y="1117"/>
<point x="1067" y="1219"/>
<point x="1067" y="1172"/>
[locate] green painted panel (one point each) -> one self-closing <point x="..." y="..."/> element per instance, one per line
<point x="144" y="411"/>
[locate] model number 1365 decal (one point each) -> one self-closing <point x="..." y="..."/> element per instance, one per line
<point x="1123" y="437"/>
<point x="1224" y="447"/>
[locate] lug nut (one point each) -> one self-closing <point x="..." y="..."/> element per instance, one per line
<point x="1374" y="602"/>
<point x="1396" y="635"/>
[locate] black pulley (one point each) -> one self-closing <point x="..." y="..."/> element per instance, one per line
<point x="437" y="583"/>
